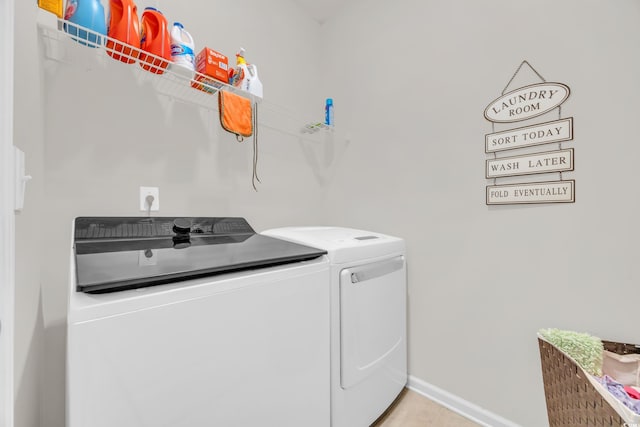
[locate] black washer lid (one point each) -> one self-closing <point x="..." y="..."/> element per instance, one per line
<point x="117" y="253"/>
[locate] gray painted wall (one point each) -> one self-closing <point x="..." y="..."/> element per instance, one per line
<point x="104" y="133"/>
<point x="410" y="80"/>
<point x="29" y="136"/>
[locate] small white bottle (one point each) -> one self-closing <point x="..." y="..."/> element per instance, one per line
<point x="182" y="47"/>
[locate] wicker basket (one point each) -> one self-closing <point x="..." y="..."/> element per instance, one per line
<point x="572" y="398"/>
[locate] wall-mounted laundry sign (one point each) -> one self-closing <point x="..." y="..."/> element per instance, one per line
<point x="532" y="192"/>
<point x="528" y="164"/>
<point x="527" y="103"/>
<point x="545" y="133"/>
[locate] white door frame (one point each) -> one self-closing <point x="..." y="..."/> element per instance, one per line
<point x="7" y="214"/>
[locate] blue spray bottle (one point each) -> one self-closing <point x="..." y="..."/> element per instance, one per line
<point x="328" y="112"/>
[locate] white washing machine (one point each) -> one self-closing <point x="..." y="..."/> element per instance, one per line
<point x="195" y="322"/>
<point x="368" y="319"/>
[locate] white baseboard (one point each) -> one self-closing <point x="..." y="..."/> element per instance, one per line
<point x="458" y="405"/>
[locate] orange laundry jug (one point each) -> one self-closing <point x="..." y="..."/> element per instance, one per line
<point x="155" y="39"/>
<point x="124" y="27"/>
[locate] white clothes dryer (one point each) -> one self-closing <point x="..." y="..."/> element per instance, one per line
<point x="368" y="319"/>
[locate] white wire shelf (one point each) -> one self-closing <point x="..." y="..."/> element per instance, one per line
<point x="70" y="43"/>
<point x="177" y="82"/>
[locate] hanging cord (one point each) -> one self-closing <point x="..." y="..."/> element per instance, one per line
<point x="518" y="70"/>
<point x="255" y="178"/>
<point x="149" y="202"/>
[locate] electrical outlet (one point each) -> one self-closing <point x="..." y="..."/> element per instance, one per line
<point x="153" y="192"/>
<point x="147" y="258"/>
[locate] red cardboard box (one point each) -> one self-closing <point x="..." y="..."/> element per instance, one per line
<point x="212" y="64"/>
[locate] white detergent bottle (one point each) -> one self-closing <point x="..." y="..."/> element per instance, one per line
<point x="182" y="47"/>
<point x="246" y="76"/>
<point x="254" y="85"/>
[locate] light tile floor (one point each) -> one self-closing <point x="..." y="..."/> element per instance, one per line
<point x="413" y="410"/>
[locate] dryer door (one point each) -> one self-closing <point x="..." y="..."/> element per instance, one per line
<point x="372" y="319"/>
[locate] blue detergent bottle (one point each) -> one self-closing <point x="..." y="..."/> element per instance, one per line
<point x="88" y="14"/>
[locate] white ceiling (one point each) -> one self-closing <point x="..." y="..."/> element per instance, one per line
<point x="321" y="10"/>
